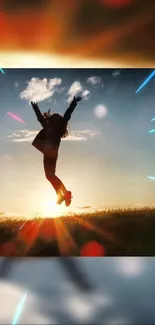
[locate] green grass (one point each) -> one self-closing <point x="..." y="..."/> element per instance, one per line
<point x="129" y="232"/>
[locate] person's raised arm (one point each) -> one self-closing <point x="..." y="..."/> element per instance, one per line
<point x="71" y="108"/>
<point x="38" y="113"/>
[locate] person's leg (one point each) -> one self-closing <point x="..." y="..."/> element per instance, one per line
<point x="50" y="167"/>
<point x="57" y="184"/>
<point x="62" y="193"/>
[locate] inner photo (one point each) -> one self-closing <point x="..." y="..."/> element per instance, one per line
<point x="77" y="162"/>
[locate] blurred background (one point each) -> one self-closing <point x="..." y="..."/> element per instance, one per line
<point x="40" y="291"/>
<point x="77" y="33"/>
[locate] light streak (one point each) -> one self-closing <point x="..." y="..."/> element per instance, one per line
<point x="15" y="117"/>
<point x="152" y="131"/>
<point x="19" y="309"/>
<point x="2" y="70"/>
<point x="146" y="81"/>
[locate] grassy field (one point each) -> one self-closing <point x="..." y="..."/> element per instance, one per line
<point x="107" y="233"/>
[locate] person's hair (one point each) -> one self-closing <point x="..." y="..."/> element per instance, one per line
<point x="47" y="114"/>
<point x="62" y="127"/>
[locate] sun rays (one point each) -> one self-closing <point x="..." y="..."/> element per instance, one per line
<point x="58" y="232"/>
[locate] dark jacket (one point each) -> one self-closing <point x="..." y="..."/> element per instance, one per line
<point x="41" y="140"/>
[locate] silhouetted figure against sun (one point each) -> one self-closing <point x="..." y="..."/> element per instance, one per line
<point x="48" y="141"/>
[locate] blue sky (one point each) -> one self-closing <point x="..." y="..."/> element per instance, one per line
<point x="109" y="153"/>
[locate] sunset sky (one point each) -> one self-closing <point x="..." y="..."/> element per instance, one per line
<point x="109" y="33"/>
<point x="109" y="153"/>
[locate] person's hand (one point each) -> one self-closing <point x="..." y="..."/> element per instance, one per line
<point x="77" y="99"/>
<point x="34" y="104"/>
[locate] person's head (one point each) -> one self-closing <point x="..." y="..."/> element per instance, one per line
<point x="55" y="119"/>
<point x="56" y="122"/>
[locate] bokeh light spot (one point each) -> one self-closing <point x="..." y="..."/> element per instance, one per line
<point x="130" y="266"/>
<point x="92" y="248"/>
<point x="8" y="249"/>
<point x="100" y="111"/>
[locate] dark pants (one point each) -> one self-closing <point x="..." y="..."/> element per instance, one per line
<point x="50" y="169"/>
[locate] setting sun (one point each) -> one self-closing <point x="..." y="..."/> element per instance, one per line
<point x="51" y="210"/>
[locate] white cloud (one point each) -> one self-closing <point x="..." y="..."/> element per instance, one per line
<point x="81" y="135"/>
<point x="100" y="111"/>
<point x="91" y="208"/>
<point x="75" y="89"/>
<point x="95" y="81"/>
<point x="86" y="94"/>
<point x="23" y="136"/>
<point x="38" y="90"/>
<point x="29" y="135"/>
<point x="16" y="84"/>
<point x="116" y="73"/>
<point x="76" y="137"/>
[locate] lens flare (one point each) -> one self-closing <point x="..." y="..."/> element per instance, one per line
<point x="100" y="111"/>
<point x="15" y="117"/>
<point x="151" y="177"/>
<point x="92" y="248"/>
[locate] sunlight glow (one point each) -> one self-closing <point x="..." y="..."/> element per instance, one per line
<point x="44" y="203"/>
<point x="50" y="209"/>
<point x="18" y="59"/>
<point x="45" y="206"/>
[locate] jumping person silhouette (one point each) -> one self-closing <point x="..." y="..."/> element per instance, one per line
<point x="48" y="141"/>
